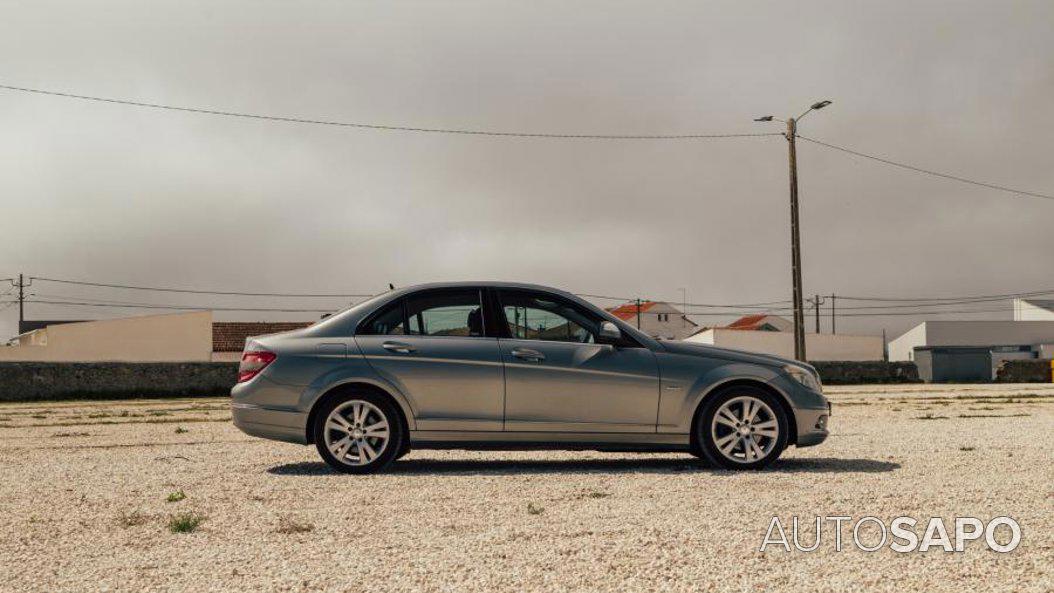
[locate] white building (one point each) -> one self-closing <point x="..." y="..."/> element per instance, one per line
<point x="1033" y="310"/>
<point x="971" y="350"/>
<point x="657" y="319"/>
<point x="771" y="334"/>
<point x="175" y="337"/>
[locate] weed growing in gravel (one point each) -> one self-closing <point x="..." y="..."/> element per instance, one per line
<point x="132" y="519"/>
<point x="39" y="416"/>
<point x="534" y="509"/>
<point x="184" y="522"/>
<point x="966" y="448"/>
<point x="176" y="496"/>
<point x="994" y="415"/>
<point x="596" y="494"/>
<point x="930" y="416"/>
<point x="181" y="430"/>
<point x="287" y="525"/>
<point x="71" y="434"/>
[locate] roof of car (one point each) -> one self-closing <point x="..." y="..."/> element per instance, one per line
<point x="488" y="283"/>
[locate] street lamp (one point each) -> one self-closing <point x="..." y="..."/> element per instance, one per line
<point x="799" y="312"/>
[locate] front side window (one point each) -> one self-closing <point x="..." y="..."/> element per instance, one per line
<point x="445" y="313"/>
<point x="532" y="316"/>
<point x="389" y="322"/>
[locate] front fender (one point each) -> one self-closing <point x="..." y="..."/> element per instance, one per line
<point x="682" y="391"/>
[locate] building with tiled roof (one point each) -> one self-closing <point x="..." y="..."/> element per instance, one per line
<point x="657" y="319"/>
<point x="762" y="322"/>
<point x="229" y="336"/>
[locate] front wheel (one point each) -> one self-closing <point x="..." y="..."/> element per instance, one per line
<point x="742" y="428"/>
<point x="358" y="433"/>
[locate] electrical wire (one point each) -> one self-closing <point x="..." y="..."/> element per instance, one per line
<point x="876" y="314"/>
<point x="1008" y="295"/>
<point x="193" y="291"/>
<point x="382" y="127"/>
<point x="929" y="172"/>
<point x="179" y="307"/>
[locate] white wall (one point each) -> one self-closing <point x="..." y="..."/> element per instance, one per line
<point x="903" y="348"/>
<point x="989" y="333"/>
<point x="971" y="333"/>
<point x="819" y="347"/>
<point x="1026" y="311"/>
<point x="179" y="337"/>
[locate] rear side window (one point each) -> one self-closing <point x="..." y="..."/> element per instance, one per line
<point x="445" y="313"/>
<point x="389" y="322"/>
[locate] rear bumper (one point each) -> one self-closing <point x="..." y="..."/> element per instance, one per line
<point x="812" y="426"/>
<point x="280" y="425"/>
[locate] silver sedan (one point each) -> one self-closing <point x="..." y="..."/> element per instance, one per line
<point x="487" y="365"/>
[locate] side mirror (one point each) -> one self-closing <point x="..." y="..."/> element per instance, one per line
<point x="608" y="332"/>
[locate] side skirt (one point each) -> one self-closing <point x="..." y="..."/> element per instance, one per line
<point x="531" y="441"/>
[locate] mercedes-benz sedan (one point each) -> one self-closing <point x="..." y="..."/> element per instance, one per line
<point x="488" y="365"/>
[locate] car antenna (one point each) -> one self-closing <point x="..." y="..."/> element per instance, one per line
<point x="391" y="286"/>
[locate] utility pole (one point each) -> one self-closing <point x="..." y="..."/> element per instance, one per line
<point x="684" y="306"/>
<point x="21" y="302"/>
<point x="832" y="315"/>
<point x="799" y="314"/>
<point x="816" y="302"/>
<point x="638" y="313"/>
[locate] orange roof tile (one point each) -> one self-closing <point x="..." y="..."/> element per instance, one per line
<point x="629" y="310"/>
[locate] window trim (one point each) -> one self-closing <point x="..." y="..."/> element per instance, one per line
<point x="504" y="333"/>
<point x="402" y="303"/>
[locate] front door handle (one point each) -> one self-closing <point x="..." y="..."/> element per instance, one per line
<point x="399" y="347"/>
<point x="528" y="354"/>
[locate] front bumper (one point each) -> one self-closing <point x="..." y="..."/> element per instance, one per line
<point x="812" y="426"/>
<point x="280" y="425"/>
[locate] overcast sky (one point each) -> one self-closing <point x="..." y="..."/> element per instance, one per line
<point x="127" y="195"/>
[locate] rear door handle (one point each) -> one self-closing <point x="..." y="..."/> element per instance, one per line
<point x="399" y="347"/>
<point x="528" y="354"/>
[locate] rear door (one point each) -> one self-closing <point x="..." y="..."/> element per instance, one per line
<point x="559" y="379"/>
<point x="432" y="345"/>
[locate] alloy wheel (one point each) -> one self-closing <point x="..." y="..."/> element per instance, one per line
<point x="356" y="432"/>
<point x="745" y="429"/>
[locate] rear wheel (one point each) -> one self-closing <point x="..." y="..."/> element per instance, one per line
<point x="742" y="428"/>
<point x="358" y="433"/>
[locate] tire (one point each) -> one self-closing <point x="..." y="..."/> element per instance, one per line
<point x="343" y="429"/>
<point x="733" y="436"/>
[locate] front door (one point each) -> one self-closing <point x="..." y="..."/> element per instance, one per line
<point x="558" y="378"/>
<point x="432" y="346"/>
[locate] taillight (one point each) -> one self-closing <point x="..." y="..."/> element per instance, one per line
<point x="253" y="362"/>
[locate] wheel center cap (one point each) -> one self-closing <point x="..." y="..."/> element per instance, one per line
<point x="357" y="433"/>
<point x="743" y="430"/>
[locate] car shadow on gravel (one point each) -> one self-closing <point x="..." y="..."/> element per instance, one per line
<point x="662" y="465"/>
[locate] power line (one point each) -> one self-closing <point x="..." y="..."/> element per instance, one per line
<point x="600" y="296"/>
<point x="929" y="172"/>
<point x="194" y="291"/>
<point x="179" y="307"/>
<point x="876" y="314"/>
<point x="974" y="298"/>
<point x="382" y="127"/>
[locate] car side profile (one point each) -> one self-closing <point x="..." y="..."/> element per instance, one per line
<point x="492" y="365"/>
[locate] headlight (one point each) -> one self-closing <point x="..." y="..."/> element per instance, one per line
<point x="803" y="376"/>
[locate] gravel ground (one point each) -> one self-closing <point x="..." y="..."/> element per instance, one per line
<point x="84" y="489"/>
